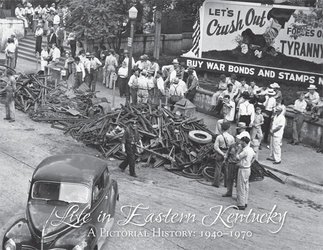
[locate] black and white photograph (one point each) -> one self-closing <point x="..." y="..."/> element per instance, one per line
<point x="161" y="124"/>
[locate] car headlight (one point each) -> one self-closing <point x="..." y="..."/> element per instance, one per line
<point x="78" y="247"/>
<point x="10" y="245"/>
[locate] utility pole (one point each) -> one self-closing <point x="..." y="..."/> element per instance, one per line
<point x="158" y="17"/>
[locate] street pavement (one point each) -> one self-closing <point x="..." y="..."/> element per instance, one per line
<point x="301" y="165"/>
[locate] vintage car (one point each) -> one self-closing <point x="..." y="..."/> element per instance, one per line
<point x="71" y="199"/>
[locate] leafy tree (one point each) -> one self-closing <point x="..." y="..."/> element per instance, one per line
<point x="99" y="20"/>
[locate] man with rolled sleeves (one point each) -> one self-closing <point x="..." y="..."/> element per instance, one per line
<point x="245" y="157"/>
<point x="221" y="146"/>
<point x="131" y="139"/>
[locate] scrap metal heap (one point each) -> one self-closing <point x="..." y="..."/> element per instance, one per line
<point x="165" y="135"/>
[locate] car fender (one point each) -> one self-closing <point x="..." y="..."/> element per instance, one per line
<point x="85" y="236"/>
<point x="18" y="231"/>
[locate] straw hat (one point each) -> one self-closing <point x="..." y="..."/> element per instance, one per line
<point x="175" y="61"/>
<point x="274" y="85"/>
<point x="241" y="125"/>
<point x="270" y="92"/>
<point x="312" y="86"/>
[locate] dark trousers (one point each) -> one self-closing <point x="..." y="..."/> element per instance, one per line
<point x="122" y="82"/>
<point x="230" y="174"/>
<point x="78" y="80"/>
<point x="133" y="93"/>
<point x="217" y="170"/>
<point x="266" y="126"/>
<point x="92" y="79"/>
<point x="246" y="119"/>
<point x="297" y="126"/>
<point x="73" y="48"/>
<point x="39" y="40"/>
<point x="130" y="159"/>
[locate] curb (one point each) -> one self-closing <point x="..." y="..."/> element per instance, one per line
<point x="296" y="181"/>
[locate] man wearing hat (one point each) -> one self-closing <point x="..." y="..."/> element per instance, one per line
<point x="312" y="97"/>
<point x="143" y="63"/>
<point x="168" y="69"/>
<point x="270" y="104"/>
<point x="221" y="87"/>
<point x="299" y="109"/>
<point x="276" y="135"/>
<point x="275" y="86"/>
<point x="151" y="85"/>
<point x="110" y="67"/>
<point x="231" y="167"/>
<point x="126" y="59"/>
<point x="236" y="84"/>
<point x="176" y="91"/>
<point x="192" y="83"/>
<point x="51" y="38"/>
<point x="221" y="146"/>
<point x="92" y="65"/>
<point x="131" y="139"/>
<point x="39" y="32"/>
<point x="10" y="100"/>
<point x="143" y="94"/>
<point x="241" y="130"/>
<point x="245" y="157"/>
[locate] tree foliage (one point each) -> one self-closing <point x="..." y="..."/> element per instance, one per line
<point x="98" y="20"/>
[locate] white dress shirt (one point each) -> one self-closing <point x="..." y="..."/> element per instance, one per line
<point x="247" y="108"/>
<point x="279" y="120"/>
<point x="300" y="106"/>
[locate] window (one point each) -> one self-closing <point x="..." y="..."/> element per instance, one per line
<point x="68" y="192"/>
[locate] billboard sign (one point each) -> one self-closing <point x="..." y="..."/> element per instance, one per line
<point x="259" y="39"/>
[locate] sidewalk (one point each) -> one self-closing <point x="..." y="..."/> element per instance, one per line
<point x="301" y="166"/>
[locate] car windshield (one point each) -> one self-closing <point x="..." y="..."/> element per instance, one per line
<point x="64" y="191"/>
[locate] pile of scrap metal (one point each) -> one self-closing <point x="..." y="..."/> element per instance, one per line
<point x="165" y="135"/>
<point x="182" y="145"/>
<point x="45" y="101"/>
<point x="30" y="93"/>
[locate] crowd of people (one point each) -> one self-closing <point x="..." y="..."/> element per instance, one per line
<point x="46" y="16"/>
<point x="147" y="83"/>
<point x="259" y="114"/>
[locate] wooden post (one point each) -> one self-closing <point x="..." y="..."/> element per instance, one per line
<point x="158" y="16"/>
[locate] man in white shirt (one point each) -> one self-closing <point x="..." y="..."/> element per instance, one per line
<point x="110" y="68"/>
<point x="56" y="20"/>
<point x="142" y="94"/>
<point x="221" y="146"/>
<point x="228" y="111"/>
<point x="55" y="54"/>
<point x="299" y="109"/>
<point x="92" y="66"/>
<point x="133" y="87"/>
<point x="236" y="84"/>
<point x="312" y="97"/>
<point x="246" y="157"/>
<point x="19" y="15"/>
<point x="122" y="79"/>
<point x="143" y="63"/>
<point x="160" y="86"/>
<point x="276" y="134"/>
<point x="246" y="111"/>
<point x="269" y="104"/>
<point x="126" y="59"/>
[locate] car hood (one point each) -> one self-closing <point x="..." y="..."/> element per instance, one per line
<point x="54" y="218"/>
